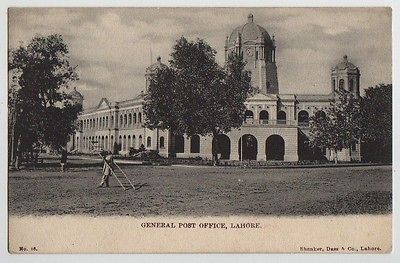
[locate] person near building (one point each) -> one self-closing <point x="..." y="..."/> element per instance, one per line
<point x="63" y="160"/>
<point x="107" y="170"/>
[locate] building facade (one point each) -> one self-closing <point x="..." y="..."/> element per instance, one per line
<point x="276" y="124"/>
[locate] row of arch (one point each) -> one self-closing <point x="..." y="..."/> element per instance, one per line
<point x="125" y="141"/>
<point x="130" y="119"/>
<point x="97" y="123"/>
<point x="105" y="122"/>
<point x="248" y="150"/>
<point x="303" y="116"/>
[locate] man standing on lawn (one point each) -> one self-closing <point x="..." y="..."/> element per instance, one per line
<point x="107" y="170"/>
<point x="63" y="160"/>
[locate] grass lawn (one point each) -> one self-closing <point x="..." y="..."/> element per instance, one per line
<point x="203" y="191"/>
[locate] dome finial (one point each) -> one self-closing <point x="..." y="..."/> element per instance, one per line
<point x="250" y="18"/>
<point x="159" y="59"/>
<point x="345" y="58"/>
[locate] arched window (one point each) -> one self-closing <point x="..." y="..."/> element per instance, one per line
<point x="303" y="118"/>
<point x="124" y="144"/>
<point x="140" y="117"/>
<point x="134" y="118"/>
<point x="162" y="142"/>
<point x="112" y="121"/>
<point x="106" y="144"/>
<point x="333" y="84"/>
<point x="320" y="114"/>
<point x="121" y="120"/>
<point x="133" y="141"/>
<point x="179" y="144"/>
<point x="148" y="141"/>
<point x="281" y="117"/>
<point x="351" y="85"/>
<point x="195" y="144"/>
<point x="264" y="116"/>
<point x="130" y="119"/>
<point x="125" y="119"/>
<point x="140" y="141"/>
<point x="249" y="116"/>
<point x="341" y="84"/>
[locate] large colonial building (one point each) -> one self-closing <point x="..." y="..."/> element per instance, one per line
<point x="276" y="124"/>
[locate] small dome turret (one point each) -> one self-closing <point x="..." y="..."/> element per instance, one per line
<point x="157" y="65"/>
<point x="250" y="32"/>
<point x="76" y="97"/>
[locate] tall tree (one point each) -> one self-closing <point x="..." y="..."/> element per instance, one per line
<point x="196" y="96"/>
<point x="340" y="127"/>
<point x="376" y="123"/>
<point x="44" y="115"/>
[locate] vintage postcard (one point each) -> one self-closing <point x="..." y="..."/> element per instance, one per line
<point x="200" y="130"/>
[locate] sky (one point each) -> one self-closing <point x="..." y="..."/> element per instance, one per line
<point x="113" y="46"/>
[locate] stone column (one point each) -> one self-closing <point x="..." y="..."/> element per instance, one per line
<point x="291" y="154"/>
<point x="261" y="149"/>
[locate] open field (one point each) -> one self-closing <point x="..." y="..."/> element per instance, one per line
<point x="203" y="191"/>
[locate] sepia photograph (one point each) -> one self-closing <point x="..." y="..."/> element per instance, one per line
<point x="199" y="130"/>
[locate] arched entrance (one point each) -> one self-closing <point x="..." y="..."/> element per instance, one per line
<point x="275" y="148"/>
<point x="179" y="144"/>
<point x="249" y="147"/>
<point x="222" y="144"/>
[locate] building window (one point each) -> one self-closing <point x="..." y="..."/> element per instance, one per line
<point x="341" y="84"/>
<point x="121" y="120"/>
<point x="195" y="144"/>
<point x="351" y="85"/>
<point x="134" y="118"/>
<point x="320" y="114"/>
<point x="281" y="117"/>
<point x="130" y="119"/>
<point x="333" y="84"/>
<point x="149" y="141"/>
<point x="140" y="117"/>
<point x="162" y="142"/>
<point x="140" y="141"/>
<point x="125" y="119"/>
<point x="249" y="116"/>
<point x="264" y="116"/>
<point x="112" y="121"/>
<point x="303" y="118"/>
<point x="179" y="144"/>
<point x="134" y="142"/>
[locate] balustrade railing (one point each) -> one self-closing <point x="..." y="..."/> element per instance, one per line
<point x="253" y="122"/>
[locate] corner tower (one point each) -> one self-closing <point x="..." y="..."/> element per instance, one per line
<point x="347" y="76"/>
<point x="152" y="70"/>
<point x="258" y="50"/>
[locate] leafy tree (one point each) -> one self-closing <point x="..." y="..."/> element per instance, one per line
<point x="44" y="114"/>
<point x="376" y="123"/>
<point x="196" y="96"/>
<point x="340" y="128"/>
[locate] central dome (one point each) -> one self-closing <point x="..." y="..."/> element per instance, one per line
<point x="250" y="32"/>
